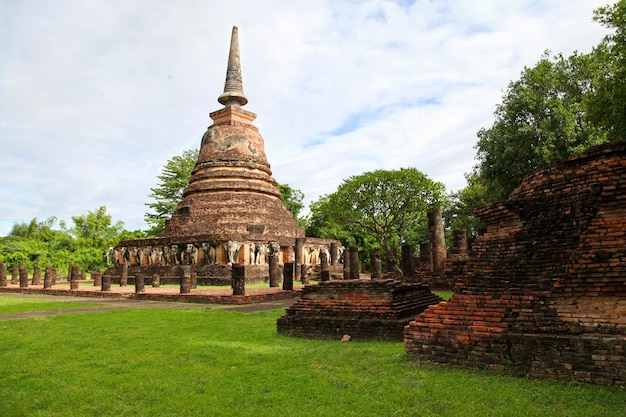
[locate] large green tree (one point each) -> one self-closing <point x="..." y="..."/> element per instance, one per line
<point x="173" y="179"/>
<point x="388" y="206"/>
<point x="557" y="109"/>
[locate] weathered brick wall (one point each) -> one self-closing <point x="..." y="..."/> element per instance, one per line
<point x="545" y="289"/>
<point x="364" y="309"/>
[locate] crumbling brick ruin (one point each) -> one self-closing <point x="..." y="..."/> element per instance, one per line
<point x="363" y="309"/>
<point x="544" y="292"/>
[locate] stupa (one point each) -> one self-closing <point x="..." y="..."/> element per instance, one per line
<point x="231" y="193"/>
<point x="231" y="211"/>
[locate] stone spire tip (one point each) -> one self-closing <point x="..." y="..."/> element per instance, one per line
<point x="233" y="88"/>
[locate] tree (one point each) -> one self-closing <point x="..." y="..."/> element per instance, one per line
<point x="95" y="229"/>
<point x="384" y="205"/>
<point x="607" y="103"/>
<point x="557" y="109"/>
<point x="541" y="120"/>
<point x="458" y="213"/>
<point x="292" y="199"/>
<point x="169" y="192"/>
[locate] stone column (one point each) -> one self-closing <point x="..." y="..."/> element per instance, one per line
<point x="376" y="265"/>
<point x="459" y="246"/>
<point x="97" y="278"/>
<point x="83" y="275"/>
<point x="239" y="279"/>
<point x="288" y="275"/>
<point x="36" y="275"/>
<point x="426" y="260"/>
<point x="15" y="276"/>
<point x="74" y="277"/>
<point x="304" y="274"/>
<point x="354" y="263"/>
<point x="106" y="282"/>
<point x="54" y="275"/>
<point x="23" y="277"/>
<point x="184" y="272"/>
<point x="298" y="256"/>
<point x="346" y="265"/>
<point x="274" y="270"/>
<point x="323" y="261"/>
<point x="437" y="239"/>
<point x="194" y="280"/>
<point x="156" y="281"/>
<point x="325" y="275"/>
<point x="47" y="278"/>
<point x="124" y="275"/>
<point x="334" y="253"/>
<point x="139" y="283"/>
<point x="408" y="266"/>
<point x="3" y="275"/>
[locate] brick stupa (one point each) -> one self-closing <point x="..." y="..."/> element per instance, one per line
<point x="231" y="193"/>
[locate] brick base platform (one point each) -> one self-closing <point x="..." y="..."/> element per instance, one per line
<point x="253" y="295"/>
<point x="363" y="309"/>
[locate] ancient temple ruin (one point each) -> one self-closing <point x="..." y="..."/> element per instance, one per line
<point x="231" y="211"/>
<point x="544" y="291"/>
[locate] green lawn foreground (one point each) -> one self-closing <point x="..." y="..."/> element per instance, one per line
<point x="9" y="305"/>
<point x="212" y="362"/>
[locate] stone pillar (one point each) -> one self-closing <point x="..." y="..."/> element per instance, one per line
<point x="194" y="280"/>
<point x="74" y="277"/>
<point x="15" y="276"/>
<point x="106" y="282"/>
<point x="97" y="278"/>
<point x="54" y="275"/>
<point x="184" y="272"/>
<point x="304" y="274"/>
<point x="346" y="265"/>
<point x="239" y="279"/>
<point x="354" y="263"/>
<point x="426" y="260"/>
<point x="274" y="270"/>
<point x="323" y="261"/>
<point x="23" y="277"/>
<point x="139" y="283"/>
<point x="459" y="246"/>
<point x="298" y="256"/>
<point x="334" y="253"/>
<point x="156" y="281"/>
<point x="3" y="275"/>
<point x="124" y="275"/>
<point x="47" y="278"/>
<point x="325" y="275"/>
<point x="437" y="239"/>
<point x="376" y="265"/>
<point x="288" y="275"/>
<point x="408" y="267"/>
<point x="83" y="275"/>
<point x="36" y="275"/>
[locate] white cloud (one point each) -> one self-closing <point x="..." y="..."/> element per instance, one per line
<point x="97" y="95"/>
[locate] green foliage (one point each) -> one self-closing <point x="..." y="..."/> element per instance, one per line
<point x="292" y="199"/>
<point x="199" y="362"/>
<point x="541" y="120"/>
<point x="389" y="207"/>
<point x="458" y="212"/>
<point x="84" y="244"/>
<point x="607" y="103"/>
<point x="169" y="191"/>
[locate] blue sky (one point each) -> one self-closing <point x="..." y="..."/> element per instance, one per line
<point x="96" y="95"/>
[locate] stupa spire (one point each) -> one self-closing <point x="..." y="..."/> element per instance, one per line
<point x="233" y="87"/>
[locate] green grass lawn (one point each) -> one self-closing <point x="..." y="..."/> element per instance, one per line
<point x="211" y="362"/>
<point x="9" y="305"/>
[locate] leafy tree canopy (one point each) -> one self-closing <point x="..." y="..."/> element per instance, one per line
<point x="557" y="109"/>
<point x="387" y="206"/>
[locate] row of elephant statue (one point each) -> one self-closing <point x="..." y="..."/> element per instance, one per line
<point x="205" y="253"/>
